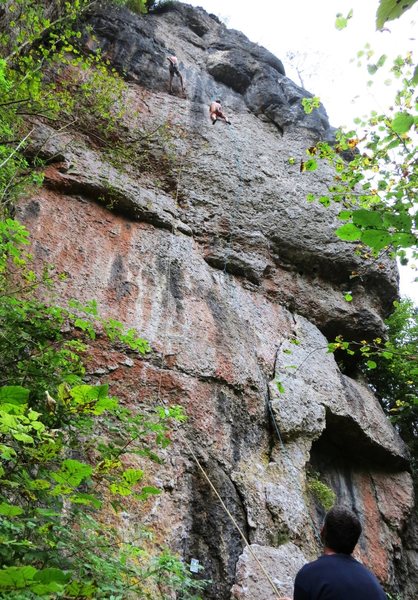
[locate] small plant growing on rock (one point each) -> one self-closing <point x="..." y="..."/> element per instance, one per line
<point x="320" y="491"/>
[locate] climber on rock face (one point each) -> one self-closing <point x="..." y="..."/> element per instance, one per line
<point x="216" y="112"/>
<point x="174" y="70"/>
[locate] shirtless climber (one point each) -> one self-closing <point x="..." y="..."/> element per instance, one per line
<point x="174" y="70"/>
<point x="216" y="112"/>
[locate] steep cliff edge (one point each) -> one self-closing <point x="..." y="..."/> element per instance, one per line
<point x="205" y="243"/>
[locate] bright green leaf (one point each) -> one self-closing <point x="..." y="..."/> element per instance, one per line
<point x="280" y="387"/>
<point x="367" y="218"/>
<point x="377" y="240"/>
<point x="7" y="452"/>
<point x="132" y="476"/>
<point x="72" y="473"/>
<point x="87" y="499"/>
<point x="389" y="10"/>
<point x="404" y="240"/>
<point x="23" y="437"/>
<point x="341" y="22"/>
<point x="151" y="490"/>
<point x="402" y="122"/>
<point x="16" y="577"/>
<point x="8" y="510"/>
<point x="348" y="232"/>
<point x="344" y="215"/>
<point x="51" y="574"/>
<point x="14" y="394"/>
<point x="402" y="221"/>
<point x="311" y="165"/>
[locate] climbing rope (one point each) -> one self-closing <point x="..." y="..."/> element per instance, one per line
<point x="231" y="517"/>
<point x="276" y="428"/>
<point x="162" y="366"/>
<point x="237" y="197"/>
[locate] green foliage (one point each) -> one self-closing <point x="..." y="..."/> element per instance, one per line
<point x="49" y="501"/>
<point x="341" y="22"/>
<point x="172" y="573"/>
<point x="280" y="387"/>
<point x="136" y="6"/>
<point x="391" y="9"/>
<point x="321" y="492"/>
<point x="391" y="368"/>
<point x="395" y="374"/>
<point x="377" y="186"/>
<point x="309" y="104"/>
<point x="48" y="75"/>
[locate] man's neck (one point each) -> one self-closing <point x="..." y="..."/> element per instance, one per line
<point x="328" y="551"/>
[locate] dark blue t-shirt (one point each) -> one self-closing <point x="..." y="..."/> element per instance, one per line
<point x="336" y="577"/>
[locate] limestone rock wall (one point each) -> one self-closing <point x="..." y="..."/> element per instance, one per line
<point x="210" y="250"/>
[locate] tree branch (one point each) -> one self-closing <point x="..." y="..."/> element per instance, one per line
<point x="6" y="160"/>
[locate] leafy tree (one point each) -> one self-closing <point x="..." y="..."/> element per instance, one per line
<point x="376" y="185"/>
<point x="395" y="377"/>
<point x="47" y="76"/>
<point x="376" y="172"/>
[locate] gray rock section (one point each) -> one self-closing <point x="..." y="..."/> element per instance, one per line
<point x="242" y="199"/>
<point x="281" y="564"/>
<point x="82" y="171"/>
<point x="218" y="60"/>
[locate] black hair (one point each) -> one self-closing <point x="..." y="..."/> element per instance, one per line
<point x="341" y="530"/>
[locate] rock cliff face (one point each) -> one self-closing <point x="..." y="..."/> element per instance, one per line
<point x="205" y="243"/>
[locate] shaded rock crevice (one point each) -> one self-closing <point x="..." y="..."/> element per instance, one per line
<point x="344" y="437"/>
<point x="213" y="536"/>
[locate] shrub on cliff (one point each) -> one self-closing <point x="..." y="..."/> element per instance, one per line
<point x="46" y="75"/>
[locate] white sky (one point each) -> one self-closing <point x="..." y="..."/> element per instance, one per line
<point x="324" y="54"/>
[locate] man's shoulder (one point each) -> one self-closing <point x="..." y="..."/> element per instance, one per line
<point x="318" y="563"/>
<point x="331" y="562"/>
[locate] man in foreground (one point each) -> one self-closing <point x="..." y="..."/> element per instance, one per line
<point x="336" y="575"/>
